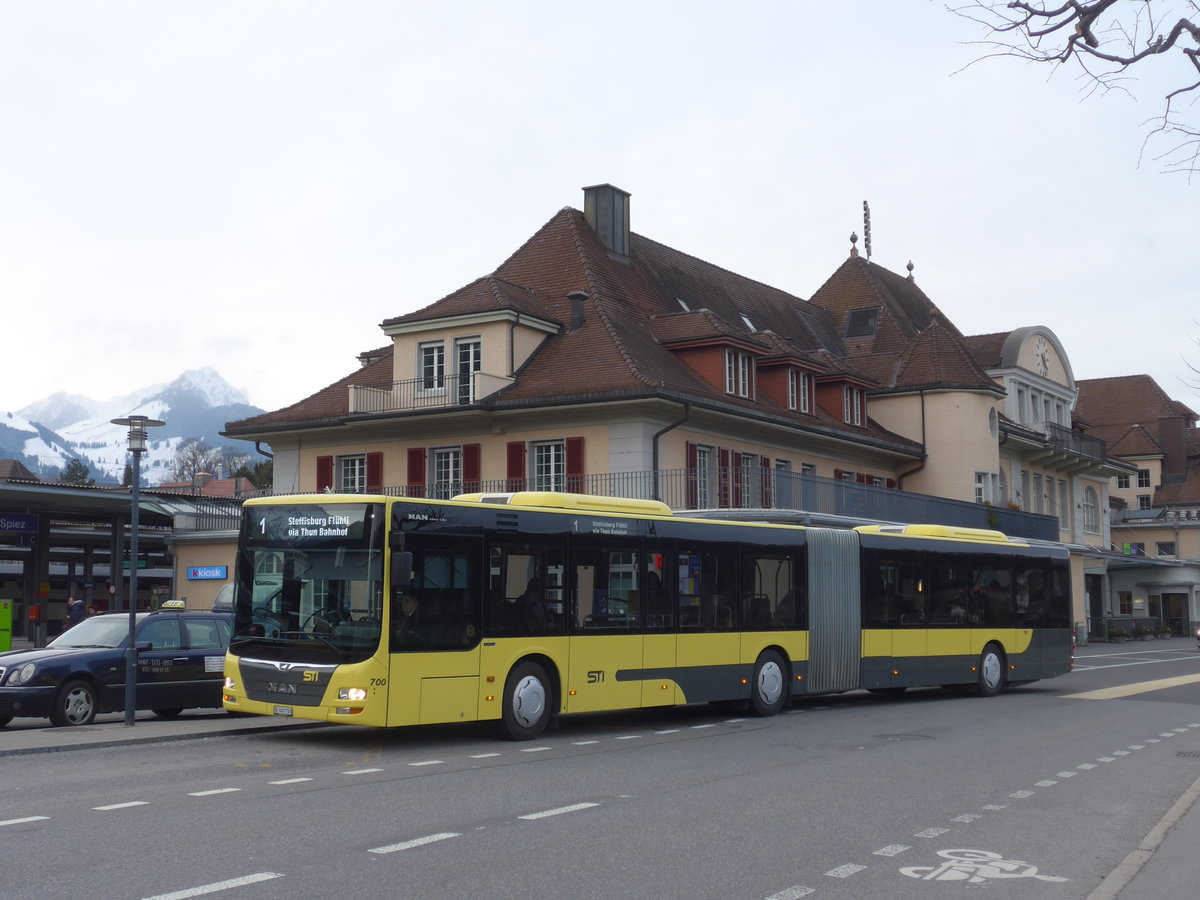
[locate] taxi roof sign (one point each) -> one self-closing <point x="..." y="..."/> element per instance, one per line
<point x="173" y="604"/>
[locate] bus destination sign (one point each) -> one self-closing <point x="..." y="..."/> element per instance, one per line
<point x="310" y="525"/>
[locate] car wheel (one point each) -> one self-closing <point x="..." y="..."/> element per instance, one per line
<point x="167" y="713"/>
<point x="769" y="690"/>
<point x="991" y="671"/>
<point x="527" y="695"/>
<point x="75" y="704"/>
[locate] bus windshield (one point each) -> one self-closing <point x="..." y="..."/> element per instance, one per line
<point x="309" y="582"/>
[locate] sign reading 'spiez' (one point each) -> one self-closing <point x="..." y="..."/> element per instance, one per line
<point x="334" y="524"/>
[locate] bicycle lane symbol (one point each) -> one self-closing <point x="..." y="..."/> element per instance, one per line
<point x="976" y="867"/>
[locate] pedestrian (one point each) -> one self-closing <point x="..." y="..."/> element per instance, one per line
<point x="76" y="611"/>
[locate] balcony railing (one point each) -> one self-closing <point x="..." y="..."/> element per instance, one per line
<point x="435" y="392"/>
<point x="1071" y="441"/>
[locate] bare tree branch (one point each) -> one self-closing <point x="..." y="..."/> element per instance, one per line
<point x="1107" y="40"/>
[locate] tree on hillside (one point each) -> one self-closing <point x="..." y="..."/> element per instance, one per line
<point x="1107" y="42"/>
<point x="192" y="457"/>
<point x="77" y="472"/>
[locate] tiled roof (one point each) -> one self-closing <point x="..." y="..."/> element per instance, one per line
<point x="214" y="487"/>
<point x="14" y="470"/>
<point x="1126" y="399"/>
<point x="482" y="295"/>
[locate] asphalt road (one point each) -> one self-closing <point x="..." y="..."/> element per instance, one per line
<point x="1042" y="792"/>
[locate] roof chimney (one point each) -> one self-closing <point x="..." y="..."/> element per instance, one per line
<point x="578" y="299"/>
<point x="199" y="480"/>
<point x="606" y="209"/>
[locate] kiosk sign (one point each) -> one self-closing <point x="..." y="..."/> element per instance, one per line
<point x="208" y="573"/>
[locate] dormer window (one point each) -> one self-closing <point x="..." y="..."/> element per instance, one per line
<point x="853" y="402"/>
<point x="861" y="323"/>
<point x="739" y="371"/>
<point x="799" y="390"/>
<point x="683" y="304"/>
<point x="748" y="323"/>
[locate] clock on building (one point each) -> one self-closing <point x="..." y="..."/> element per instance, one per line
<point x="1041" y="356"/>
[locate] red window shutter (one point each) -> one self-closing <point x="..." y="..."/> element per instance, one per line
<point x="516" y="466"/>
<point x="837" y="473"/>
<point x="575" y="464"/>
<point x="471" y="468"/>
<point x="374" y="473"/>
<point x="739" y="482"/>
<point x="693" y="483"/>
<point x="723" y="477"/>
<point x="862" y="478"/>
<point x="767" y="492"/>
<point x="891" y="482"/>
<point x="324" y="473"/>
<point x="416" y="472"/>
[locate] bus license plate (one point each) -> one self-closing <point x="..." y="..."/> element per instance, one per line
<point x="283" y="710"/>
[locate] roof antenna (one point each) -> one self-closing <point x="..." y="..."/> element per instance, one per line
<point x="867" y="229"/>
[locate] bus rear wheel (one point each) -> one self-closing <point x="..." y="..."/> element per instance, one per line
<point x="527" y="695"/>
<point x="991" y="671"/>
<point x="769" y="689"/>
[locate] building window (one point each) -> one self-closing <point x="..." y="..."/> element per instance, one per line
<point x="738" y="372"/>
<point x="352" y="474"/>
<point x="792" y="389"/>
<point x="983" y="487"/>
<point x="1038" y="498"/>
<point x="808" y="468"/>
<point x="447" y="472"/>
<point x="861" y="322"/>
<point x="549" y="466"/>
<point x="431" y="365"/>
<point x="704" y="476"/>
<point x="1135" y="548"/>
<point x="1091" y="511"/>
<point x="1143" y="478"/>
<point x="1064" y="520"/>
<point x="469" y="353"/>
<point x="852" y="405"/>
<point x="1165" y="548"/>
<point x="1144" y="501"/>
<point x="1122" y="482"/>
<point x="1125" y="602"/>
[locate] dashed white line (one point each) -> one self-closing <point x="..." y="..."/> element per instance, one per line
<point x="534" y="749"/>
<point x="931" y="832"/>
<point x="291" y="781"/>
<point x="709" y="725"/>
<point x="668" y="731"/>
<point x="1136" y="747"/>
<point x="121" y="805"/>
<point x="891" y="850"/>
<point x="214" y="791"/>
<point x="574" y="807"/>
<point x="1021" y="795"/>
<point x="628" y="737"/>
<point x="23" y="821"/>
<point x="416" y="842"/>
<point x="217" y="886"/>
<point x="1046" y="783"/>
<point x="996" y="806"/>
<point x="792" y="893"/>
<point x="1086" y="766"/>
<point x="966" y="818"/>
<point x="1067" y="774"/>
<point x="361" y="771"/>
<point x="427" y="762"/>
<point x="583" y="743"/>
<point x="1108" y="759"/>
<point x="483" y="755"/>
<point x="845" y="871"/>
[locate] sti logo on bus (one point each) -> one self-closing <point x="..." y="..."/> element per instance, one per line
<point x="309" y="675"/>
<point x="595" y="676"/>
<point x="279" y="687"/>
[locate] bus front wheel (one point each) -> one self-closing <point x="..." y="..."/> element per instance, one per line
<point x="527" y="695"/>
<point x="991" y="671"/>
<point x="769" y="689"/>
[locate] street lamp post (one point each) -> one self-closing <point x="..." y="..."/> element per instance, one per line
<point x="137" y="426"/>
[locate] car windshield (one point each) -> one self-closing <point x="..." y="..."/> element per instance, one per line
<point x="102" y="631"/>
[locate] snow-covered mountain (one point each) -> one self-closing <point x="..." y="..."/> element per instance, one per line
<point x="197" y="404"/>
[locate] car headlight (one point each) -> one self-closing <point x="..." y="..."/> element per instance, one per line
<point x="21" y="675"/>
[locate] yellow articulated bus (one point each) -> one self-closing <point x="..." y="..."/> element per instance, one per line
<point x="389" y="611"/>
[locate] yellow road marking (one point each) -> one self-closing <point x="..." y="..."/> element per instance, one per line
<point x="1128" y="690"/>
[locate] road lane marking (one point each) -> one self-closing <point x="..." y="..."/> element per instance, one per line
<point x="429" y="762"/>
<point x="1021" y="795"/>
<point x="213" y="791"/>
<point x="891" y="850"/>
<point x="291" y="781"/>
<point x="845" y="871"/>
<point x="23" y="821"/>
<point x="122" y="805"/>
<point x="534" y="749"/>
<point x="1046" y="783"/>
<point x="416" y="842"/>
<point x="792" y="893"/>
<point x="1130" y="690"/>
<point x="574" y="807"/>
<point x="217" y="886"/>
<point x="361" y="771"/>
<point x="931" y="832"/>
<point x="483" y="755"/>
<point x="966" y="818"/>
<point x="583" y="743"/>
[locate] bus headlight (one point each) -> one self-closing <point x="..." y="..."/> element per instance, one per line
<point x="352" y="694"/>
<point x="230" y="684"/>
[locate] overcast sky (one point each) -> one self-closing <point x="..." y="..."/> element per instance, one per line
<point x="255" y="186"/>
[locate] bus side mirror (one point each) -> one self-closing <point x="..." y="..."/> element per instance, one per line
<point x="402" y="562"/>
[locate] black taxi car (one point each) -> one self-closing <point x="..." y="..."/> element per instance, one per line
<point x="180" y="665"/>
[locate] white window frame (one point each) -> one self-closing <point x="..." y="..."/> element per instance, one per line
<point x="704" y="475"/>
<point x="1091" y="510"/>
<point x="739" y="373"/>
<point x="852" y="405"/>
<point x="1143" y="478"/>
<point x="549" y="465"/>
<point x="1122" y="482"/>
<point x="352" y="474"/>
<point x="445" y="465"/>
<point x="431" y="368"/>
